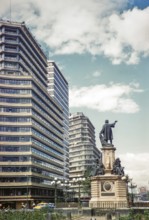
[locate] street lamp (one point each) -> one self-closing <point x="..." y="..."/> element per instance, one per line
<point x="79" y="182"/>
<point x="132" y="186"/>
<point x="126" y="179"/>
<point x="27" y="191"/>
<point x="55" y="182"/>
<point x="66" y="185"/>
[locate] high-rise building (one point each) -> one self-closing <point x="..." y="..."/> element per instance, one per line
<point x="82" y="147"/>
<point x="58" y="89"/>
<point x="31" y="122"/>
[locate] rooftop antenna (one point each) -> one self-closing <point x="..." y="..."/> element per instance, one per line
<point x="10" y="10"/>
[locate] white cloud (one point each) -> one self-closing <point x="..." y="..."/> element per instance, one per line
<point x="97" y="27"/>
<point x="93" y="76"/>
<point x="130" y="31"/>
<point x="96" y="74"/>
<point x="115" y="98"/>
<point x="136" y="166"/>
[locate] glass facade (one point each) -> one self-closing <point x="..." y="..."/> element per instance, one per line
<point x="58" y="89"/>
<point x="32" y="149"/>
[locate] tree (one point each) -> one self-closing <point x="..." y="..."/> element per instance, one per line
<point x="86" y="185"/>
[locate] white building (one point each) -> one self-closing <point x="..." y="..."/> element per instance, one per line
<point x="82" y="146"/>
<point x="58" y="89"/>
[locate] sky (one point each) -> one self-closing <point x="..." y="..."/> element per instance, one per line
<point x="102" y="48"/>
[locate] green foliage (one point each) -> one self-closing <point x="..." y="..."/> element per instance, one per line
<point x="29" y="215"/>
<point x="87" y="183"/>
<point x="136" y="216"/>
<point x="22" y="215"/>
<point x="146" y="215"/>
<point x="58" y="216"/>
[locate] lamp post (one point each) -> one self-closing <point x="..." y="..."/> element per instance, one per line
<point x="27" y="192"/>
<point x="125" y="178"/>
<point x="66" y="185"/>
<point x="55" y="182"/>
<point x="79" y="182"/>
<point x="132" y="186"/>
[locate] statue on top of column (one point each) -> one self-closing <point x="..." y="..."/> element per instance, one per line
<point x="106" y="134"/>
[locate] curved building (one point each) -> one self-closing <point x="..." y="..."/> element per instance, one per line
<point x="82" y="151"/>
<point x="58" y="89"/>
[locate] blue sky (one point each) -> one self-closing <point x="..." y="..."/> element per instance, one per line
<point x="102" y="48"/>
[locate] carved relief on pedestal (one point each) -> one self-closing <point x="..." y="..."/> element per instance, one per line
<point x="107" y="164"/>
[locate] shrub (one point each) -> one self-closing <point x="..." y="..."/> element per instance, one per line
<point x="22" y="215"/>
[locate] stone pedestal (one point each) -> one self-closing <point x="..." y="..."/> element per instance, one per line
<point x="108" y="190"/>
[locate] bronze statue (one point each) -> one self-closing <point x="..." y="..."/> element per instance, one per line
<point x="98" y="169"/>
<point x="106" y="134"/>
<point x="117" y="168"/>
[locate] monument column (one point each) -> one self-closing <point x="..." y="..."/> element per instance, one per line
<point x="108" y="158"/>
<point x="108" y="185"/>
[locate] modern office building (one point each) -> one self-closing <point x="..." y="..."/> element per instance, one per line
<point x="31" y="121"/>
<point x="58" y="89"/>
<point x="82" y="148"/>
